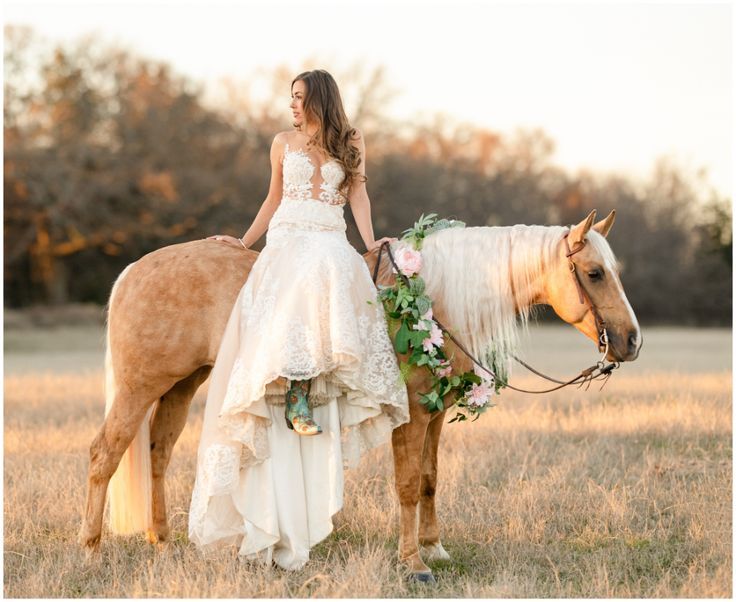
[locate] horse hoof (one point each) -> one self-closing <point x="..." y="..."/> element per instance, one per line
<point x="434" y="552"/>
<point x="90" y="543"/>
<point x="157" y="536"/>
<point x="151" y="537"/>
<point x="91" y="553"/>
<point x="424" y="578"/>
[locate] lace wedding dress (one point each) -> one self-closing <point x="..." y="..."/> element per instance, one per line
<point x="308" y="309"/>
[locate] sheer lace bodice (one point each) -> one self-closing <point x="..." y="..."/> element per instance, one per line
<point x="302" y="181"/>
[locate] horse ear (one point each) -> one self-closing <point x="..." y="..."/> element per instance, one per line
<point x="578" y="232"/>
<point x="603" y="226"/>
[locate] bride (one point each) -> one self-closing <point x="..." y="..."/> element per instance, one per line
<point x="306" y="379"/>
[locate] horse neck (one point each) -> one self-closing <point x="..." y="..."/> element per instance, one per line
<point x="484" y="278"/>
<point x="532" y="253"/>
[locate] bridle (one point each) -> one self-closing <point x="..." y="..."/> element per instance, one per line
<point x="583" y="295"/>
<point x="597" y="371"/>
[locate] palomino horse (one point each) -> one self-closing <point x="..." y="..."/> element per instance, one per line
<point x="168" y="311"/>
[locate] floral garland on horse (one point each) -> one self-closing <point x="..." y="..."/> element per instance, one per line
<point x="409" y="312"/>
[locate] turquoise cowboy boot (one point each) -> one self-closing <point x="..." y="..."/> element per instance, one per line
<point x="298" y="414"/>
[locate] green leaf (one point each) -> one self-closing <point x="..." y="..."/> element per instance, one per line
<point x="416" y="354"/>
<point x="417" y="336"/>
<point x="428" y="400"/>
<point x="417" y="286"/>
<point x="423" y="304"/>
<point x="402" y="338"/>
<point x="472" y="377"/>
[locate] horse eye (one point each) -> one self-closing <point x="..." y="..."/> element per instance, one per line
<point x="595" y="274"/>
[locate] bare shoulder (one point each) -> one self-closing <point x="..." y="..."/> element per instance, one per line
<point x="278" y="146"/>
<point x="281" y="138"/>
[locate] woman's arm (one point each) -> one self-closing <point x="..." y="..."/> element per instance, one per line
<point x="269" y="206"/>
<point x="275" y="189"/>
<point x="360" y="204"/>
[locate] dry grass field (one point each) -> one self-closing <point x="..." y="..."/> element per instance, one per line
<point x="624" y="492"/>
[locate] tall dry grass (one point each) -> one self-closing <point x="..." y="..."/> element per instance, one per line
<point x="624" y="492"/>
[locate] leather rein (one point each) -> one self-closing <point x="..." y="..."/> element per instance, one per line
<point x="597" y="371"/>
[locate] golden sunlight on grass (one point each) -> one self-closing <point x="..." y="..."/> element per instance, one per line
<point x="624" y="492"/>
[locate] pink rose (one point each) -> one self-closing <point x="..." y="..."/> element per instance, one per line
<point x="408" y="260"/>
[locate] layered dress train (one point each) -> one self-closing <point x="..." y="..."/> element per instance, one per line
<point x="308" y="309"/>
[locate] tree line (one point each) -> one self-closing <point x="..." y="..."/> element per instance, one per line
<point x="109" y="156"/>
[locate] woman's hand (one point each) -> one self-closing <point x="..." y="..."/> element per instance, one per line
<point x="230" y="240"/>
<point x="380" y="241"/>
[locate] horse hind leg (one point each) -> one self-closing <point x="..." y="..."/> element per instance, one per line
<point x="169" y="419"/>
<point x="113" y="439"/>
<point x="429" y="530"/>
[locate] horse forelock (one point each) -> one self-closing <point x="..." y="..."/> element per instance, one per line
<point x="601" y="246"/>
<point x="480" y="274"/>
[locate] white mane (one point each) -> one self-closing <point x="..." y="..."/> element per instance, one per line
<point x="478" y="272"/>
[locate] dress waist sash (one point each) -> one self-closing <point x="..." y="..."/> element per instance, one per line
<point x="308" y="214"/>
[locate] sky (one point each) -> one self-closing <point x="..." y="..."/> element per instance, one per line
<point x="616" y="86"/>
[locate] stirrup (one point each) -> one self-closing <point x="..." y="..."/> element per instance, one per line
<point x="297" y="414"/>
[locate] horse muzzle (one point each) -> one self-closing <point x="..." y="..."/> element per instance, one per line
<point x="624" y="347"/>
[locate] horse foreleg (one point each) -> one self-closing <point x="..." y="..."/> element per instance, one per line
<point x="429" y="530"/>
<point x="169" y="419"/>
<point x="408" y="444"/>
<point x="106" y="450"/>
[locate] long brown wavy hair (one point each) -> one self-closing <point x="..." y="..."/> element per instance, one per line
<point x="323" y="105"/>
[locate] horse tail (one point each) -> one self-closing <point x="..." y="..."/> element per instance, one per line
<point x="130" y="489"/>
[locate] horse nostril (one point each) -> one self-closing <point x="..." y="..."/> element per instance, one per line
<point x="633" y="339"/>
